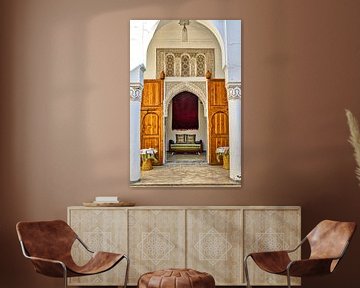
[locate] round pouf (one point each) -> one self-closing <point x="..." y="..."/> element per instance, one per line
<point x="176" y="278"/>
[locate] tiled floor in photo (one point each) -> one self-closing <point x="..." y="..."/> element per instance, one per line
<point x="188" y="170"/>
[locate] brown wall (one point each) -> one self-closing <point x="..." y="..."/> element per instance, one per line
<point x="65" y="109"/>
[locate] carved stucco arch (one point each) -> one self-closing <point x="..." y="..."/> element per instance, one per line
<point x="173" y="88"/>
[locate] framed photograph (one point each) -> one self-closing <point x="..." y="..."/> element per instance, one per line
<point x="185" y="103"/>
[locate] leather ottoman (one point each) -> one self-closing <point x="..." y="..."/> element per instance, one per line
<point x="176" y="278"/>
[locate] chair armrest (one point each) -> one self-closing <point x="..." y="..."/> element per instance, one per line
<point x="277" y="253"/>
<point x="32" y="258"/>
<point x="269" y="253"/>
<point x="48" y="267"/>
<point x="171" y="141"/>
<point x="309" y="267"/>
<point x="198" y="142"/>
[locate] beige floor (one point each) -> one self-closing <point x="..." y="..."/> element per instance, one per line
<point x="186" y="170"/>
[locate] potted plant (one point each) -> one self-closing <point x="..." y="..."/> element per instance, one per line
<point x="148" y="158"/>
<point x="223" y="153"/>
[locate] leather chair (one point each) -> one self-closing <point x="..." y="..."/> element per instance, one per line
<point x="48" y="245"/>
<point x="328" y="242"/>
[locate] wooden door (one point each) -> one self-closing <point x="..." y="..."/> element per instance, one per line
<point x="152" y="117"/>
<point x="218" y="118"/>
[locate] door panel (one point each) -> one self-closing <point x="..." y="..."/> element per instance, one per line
<point x="152" y="117"/>
<point x="214" y="244"/>
<point x="218" y="118"/>
<point x="156" y="241"/>
<point x="217" y="92"/>
<point x="150" y="123"/>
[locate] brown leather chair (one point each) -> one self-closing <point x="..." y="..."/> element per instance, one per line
<point x="48" y="245"/>
<point x="328" y="242"/>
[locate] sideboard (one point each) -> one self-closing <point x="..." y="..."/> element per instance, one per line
<point x="212" y="239"/>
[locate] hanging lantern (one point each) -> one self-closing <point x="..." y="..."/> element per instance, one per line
<point x="184" y="32"/>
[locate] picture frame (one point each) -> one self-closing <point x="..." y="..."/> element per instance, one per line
<point x="185" y="103"/>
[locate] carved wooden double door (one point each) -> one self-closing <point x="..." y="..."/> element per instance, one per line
<point x="152" y="122"/>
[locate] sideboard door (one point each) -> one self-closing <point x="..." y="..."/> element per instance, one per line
<point x="156" y="240"/>
<point x="214" y="244"/>
<point x="269" y="230"/>
<point x="101" y="230"/>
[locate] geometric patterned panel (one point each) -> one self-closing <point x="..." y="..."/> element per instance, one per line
<point x="101" y="230"/>
<point x="214" y="242"/>
<point x="155" y="246"/>
<point x="156" y="240"/>
<point x="271" y="230"/>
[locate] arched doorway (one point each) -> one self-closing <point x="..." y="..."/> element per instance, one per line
<point x="185" y="128"/>
<point x="185" y="112"/>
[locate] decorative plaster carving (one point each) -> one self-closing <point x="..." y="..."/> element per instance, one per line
<point x="200" y="65"/>
<point x="175" y="87"/>
<point x="193" y="68"/>
<point x="185" y="66"/>
<point x="170" y="64"/>
<point x="207" y="53"/>
<point x="234" y="90"/>
<point x="135" y="92"/>
<point x="177" y="66"/>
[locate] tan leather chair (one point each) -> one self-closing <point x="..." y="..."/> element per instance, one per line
<point x="48" y="245"/>
<point x="328" y="242"/>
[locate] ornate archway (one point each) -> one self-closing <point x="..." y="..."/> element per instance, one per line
<point x="173" y="88"/>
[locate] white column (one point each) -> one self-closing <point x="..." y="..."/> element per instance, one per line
<point x="234" y="102"/>
<point x="135" y="106"/>
<point x="232" y="69"/>
<point x="136" y="87"/>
